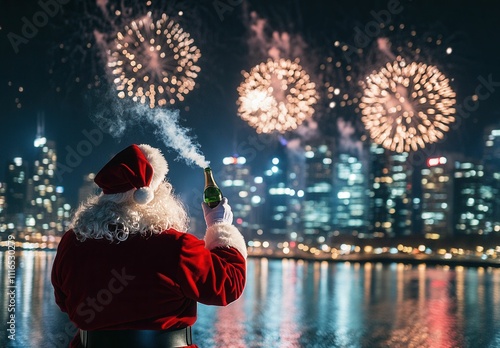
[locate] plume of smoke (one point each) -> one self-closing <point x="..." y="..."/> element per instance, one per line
<point x="276" y="45"/>
<point x="347" y="141"/>
<point x="102" y="4"/>
<point x="384" y="46"/>
<point x="176" y="137"/>
<point x="116" y="118"/>
<point x="308" y="130"/>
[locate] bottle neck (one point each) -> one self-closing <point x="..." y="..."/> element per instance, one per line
<point x="209" y="178"/>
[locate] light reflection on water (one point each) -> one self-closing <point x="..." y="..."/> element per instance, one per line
<point x="290" y="304"/>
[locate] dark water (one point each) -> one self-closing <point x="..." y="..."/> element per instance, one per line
<point x="300" y="304"/>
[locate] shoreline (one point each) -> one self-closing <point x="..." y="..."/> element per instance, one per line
<point x="361" y="259"/>
<point x="385" y="259"/>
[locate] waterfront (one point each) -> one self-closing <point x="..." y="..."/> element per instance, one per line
<point x="295" y="303"/>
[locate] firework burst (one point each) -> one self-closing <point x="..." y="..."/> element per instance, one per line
<point x="154" y="61"/>
<point x="350" y="60"/>
<point x="276" y="96"/>
<point x="406" y="106"/>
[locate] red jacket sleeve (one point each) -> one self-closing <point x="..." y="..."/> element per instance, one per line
<point x="214" y="272"/>
<point x="59" y="295"/>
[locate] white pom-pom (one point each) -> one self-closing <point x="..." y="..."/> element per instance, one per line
<point x="144" y="195"/>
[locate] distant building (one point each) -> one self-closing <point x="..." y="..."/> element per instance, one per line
<point x="46" y="213"/>
<point x="245" y="192"/>
<point x="380" y="180"/>
<point x="317" y="201"/>
<point x="391" y="193"/>
<point x="277" y="200"/>
<point x="296" y="177"/>
<point x="16" y="194"/>
<point x="437" y="197"/>
<point x="491" y="163"/>
<point x="472" y="199"/>
<point x="350" y="195"/>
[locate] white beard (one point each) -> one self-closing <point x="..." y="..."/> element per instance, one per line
<point x="115" y="217"/>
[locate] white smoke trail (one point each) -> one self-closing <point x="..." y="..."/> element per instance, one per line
<point x="176" y="137"/>
<point x="278" y="45"/>
<point x="346" y="141"/>
<point x="384" y="45"/>
<point x="116" y="118"/>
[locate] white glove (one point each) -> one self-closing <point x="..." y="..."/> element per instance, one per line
<point x="219" y="214"/>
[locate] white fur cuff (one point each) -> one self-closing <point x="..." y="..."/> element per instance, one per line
<point x="224" y="235"/>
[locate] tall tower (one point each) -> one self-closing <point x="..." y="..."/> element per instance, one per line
<point x="391" y="192"/>
<point x="471" y="202"/>
<point x="318" y="198"/>
<point x="491" y="187"/>
<point x="437" y="197"/>
<point x="296" y="177"/>
<point x="277" y="199"/>
<point x="350" y="199"/>
<point x="245" y="193"/>
<point x="16" y="187"/>
<point x="47" y="212"/>
<point x="16" y="193"/>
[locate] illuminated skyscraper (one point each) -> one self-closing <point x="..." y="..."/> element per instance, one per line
<point x="16" y="194"/>
<point x="491" y="162"/>
<point x="380" y="181"/>
<point x="350" y="195"/>
<point x="437" y="197"/>
<point x="391" y="193"/>
<point x="276" y="180"/>
<point x="472" y="199"/>
<point x="246" y="194"/>
<point x="46" y="214"/>
<point x="296" y="177"/>
<point x="491" y="155"/>
<point x="317" y="202"/>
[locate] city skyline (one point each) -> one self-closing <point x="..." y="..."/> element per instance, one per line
<point x="53" y="83"/>
<point x="308" y="194"/>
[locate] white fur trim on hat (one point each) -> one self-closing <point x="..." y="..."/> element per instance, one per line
<point x="144" y="195"/>
<point x="158" y="162"/>
<point x="225" y="235"/>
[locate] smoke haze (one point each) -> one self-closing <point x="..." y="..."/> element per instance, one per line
<point x="117" y="117"/>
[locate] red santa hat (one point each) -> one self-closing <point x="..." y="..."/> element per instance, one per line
<point x="138" y="168"/>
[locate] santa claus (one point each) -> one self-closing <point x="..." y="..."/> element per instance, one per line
<point x="128" y="275"/>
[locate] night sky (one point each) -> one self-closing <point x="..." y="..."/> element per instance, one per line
<point x="48" y="72"/>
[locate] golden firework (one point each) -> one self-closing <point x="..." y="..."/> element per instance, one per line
<point x="154" y="62"/>
<point x="276" y="96"/>
<point x="406" y="106"/>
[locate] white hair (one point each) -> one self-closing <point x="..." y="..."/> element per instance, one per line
<point x="116" y="216"/>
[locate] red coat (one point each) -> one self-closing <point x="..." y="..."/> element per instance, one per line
<point x="146" y="283"/>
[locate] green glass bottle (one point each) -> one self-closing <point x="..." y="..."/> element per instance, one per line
<point x="212" y="195"/>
